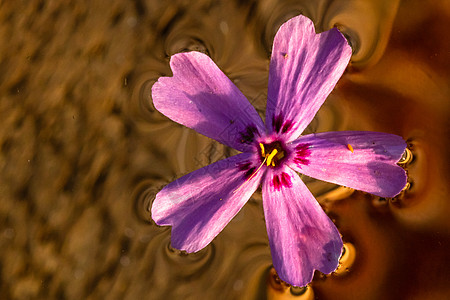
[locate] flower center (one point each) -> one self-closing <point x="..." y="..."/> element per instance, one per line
<point x="272" y="153"/>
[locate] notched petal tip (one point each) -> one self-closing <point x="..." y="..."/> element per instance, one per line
<point x="369" y="164"/>
<point x="182" y="245"/>
<point x="156" y="211"/>
<point x="200" y="96"/>
<point x="302" y="237"/>
<point x="398" y="185"/>
<point x="304" y="69"/>
<point x="342" y="40"/>
<point x="327" y="261"/>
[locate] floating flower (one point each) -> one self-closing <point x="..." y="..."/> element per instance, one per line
<point x="304" y="68"/>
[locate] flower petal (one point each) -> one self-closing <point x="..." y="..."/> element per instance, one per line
<point x="302" y="237"/>
<point x="200" y="204"/>
<point x="304" y="69"/>
<point x="362" y="160"/>
<point x="201" y="97"/>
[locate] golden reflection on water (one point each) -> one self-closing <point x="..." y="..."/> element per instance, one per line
<point x="279" y="290"/>
<point x="84" y="152"/>
<point x="347" y="259"/>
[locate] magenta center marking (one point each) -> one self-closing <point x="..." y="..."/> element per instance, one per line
<point x="282" y="180"/>
<point x="301" y="154"/>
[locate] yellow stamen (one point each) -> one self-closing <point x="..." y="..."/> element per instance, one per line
<point x="271" y="156"/>
<point x="273" y="164"/>
<point x="280" y="155"/>
<point x="262" y="150"/>
<point x="350" y="147"/>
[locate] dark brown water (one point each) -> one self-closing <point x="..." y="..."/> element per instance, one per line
<point x="83" y="152"/>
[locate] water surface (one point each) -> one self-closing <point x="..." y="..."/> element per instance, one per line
<point x="83" y="151"/>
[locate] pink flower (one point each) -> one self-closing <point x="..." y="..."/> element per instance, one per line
<point x="304" y="68"/>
